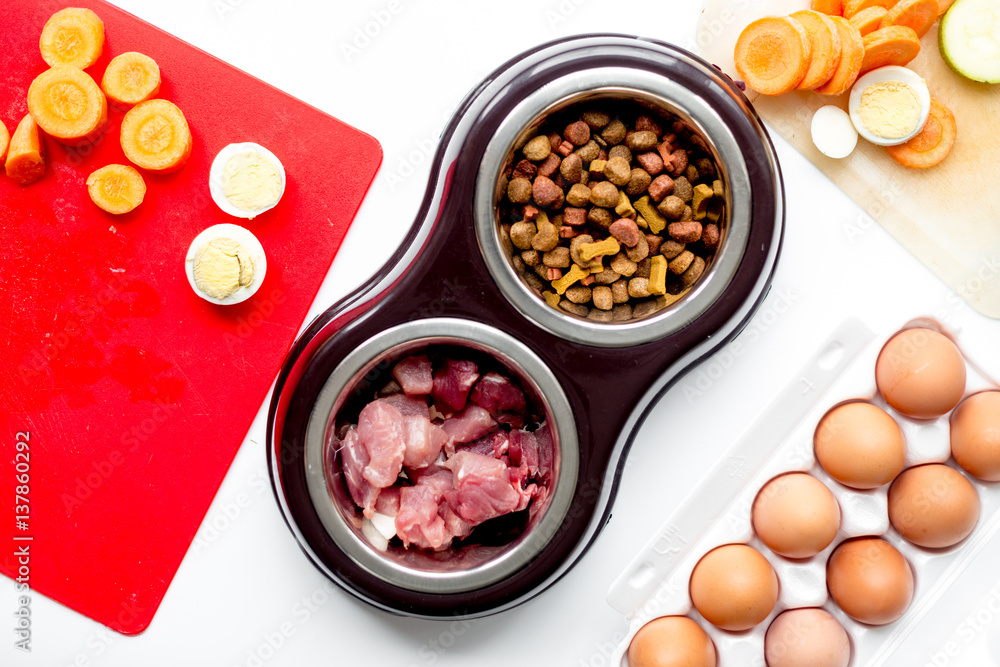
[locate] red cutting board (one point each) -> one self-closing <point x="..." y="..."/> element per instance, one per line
<point x="134" y="393"/>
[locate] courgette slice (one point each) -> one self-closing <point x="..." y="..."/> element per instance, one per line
<point x="969" y="39"/>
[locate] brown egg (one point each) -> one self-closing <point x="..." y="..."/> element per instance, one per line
<point x="975" y="435"/>
<point x="734" y="587"/>
<point x="860" y="445"/>
<point x="807" y="638"/>
<point x="921" y="373"/>
<point x="933" y="506"/>
<point x="796" y="515"/>
<point x="870" y="580"/>
<point x="671" y="641"/>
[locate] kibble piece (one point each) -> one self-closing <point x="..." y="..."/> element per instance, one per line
<point x="680" y="264"/>
<point x="661" y="186"/>
<point x="688" y="214"/>
<point x="574" y="253"/>
<point x="644" y="308"/>
<point x="574" y="275"/>
<point x="638" y="182"/>
<point x="691" y="276"/>
<point x="589" y="151"/>
<point x="578" y="195"/>
<point x="620" y="151"/>
<point x="546" y="193"/>
<point x="549" y="165"/>
<point x="653" y="219"/>
<point x="571" y="168"/>
<point x="699" y="201"/>
<point x="557" y="258"/>
<point x="678" y="162"/>
<point x="718" y="189"/>
<point x="671" y="248"/>
<point x="618" y="171"/>
<point x="525" y="169"/>
<point x="595" y="119"/>
<point x="517" y="263"/>
<point x="642" y="268"/>
<point x="645" y="122"/>
<point x="621" y="313"/>
<point x="638" y="288"/>
<point x="599" y="315"/>
<point x="643" y="140"/>
<point x="672" y="207"/>
<point x="574" y="308"/>
<point x="685" y="232"/>
<point x="710" y="236"/>
<point x="577" y="133"/>
<point x="531" y="257"/>
<point x="604" y="194"/>
<point x="651" y="162"/>
<point x="589" y="251"/>
<point x="691" y="173"/>
<point x="624" y="207"/>
<point x="683" y="188"/>
<point x="626" y="231"/>
<point x="621" y="264"/>
<point x="596" y="168"/>
<point x="547" y="237"/>
<point x="619" y="291"/>
<point x="654" y="241"/>
<point x="578" y="294"/>
<point x="555" y="140"/>
<point x="640" y="251"/>
<point x="519" y="190"/>
<point x="565" y="148"/>
<point x="551" y="298"/>
<point x="614" y="132"/>
<point x="658" y="275"/>
<point x="537" y="149"/>
<point x="533" y="281"/>
<point x="522" y="233"/>
<point x="705" y="167"/>
<point x="600" y="217"/>
<point x="574" y="216"/>
<point x="606" y="277"/>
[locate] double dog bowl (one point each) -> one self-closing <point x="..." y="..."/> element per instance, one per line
<point x="451" y="283"/>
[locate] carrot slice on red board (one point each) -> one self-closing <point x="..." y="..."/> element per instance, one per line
<point x="934" y="142"/>
<point x="773" y="54"/>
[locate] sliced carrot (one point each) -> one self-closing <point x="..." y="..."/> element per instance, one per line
<point x="131" y="78"/>
<point x="917" y="14"/>
<point x="824" y="45"/>
<point x="68" y="105"/>
<point x="26" y="154"/>
<point x="4" y="141"/>
<point x="72" y="37"/>
<point x="869" y="20"/>
<point x="891" y="45"/>
<point x="852" y="7"/>
<point x="852" y="52"/>
<point x="830" y="7"/>
<point x="116" y="188"/>
<point x="155" y="136"/>
<point x="934" y="142"/>
<point x="772" y="54"/>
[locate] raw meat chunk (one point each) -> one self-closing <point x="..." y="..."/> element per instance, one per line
<point x="414" y="375"/>
<point x="380" y="429"/>
<point x="452" y="383"/>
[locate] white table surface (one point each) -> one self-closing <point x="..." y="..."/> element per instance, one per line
<point x="245" y="588"/>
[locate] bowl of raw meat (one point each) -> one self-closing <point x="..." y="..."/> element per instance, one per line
<point x="441" y="455"/>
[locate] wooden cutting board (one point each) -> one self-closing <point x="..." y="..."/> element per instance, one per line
<point x="124" y="396"/>
<point x="948" y="216"/>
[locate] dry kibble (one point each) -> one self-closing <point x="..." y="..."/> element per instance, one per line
<point x="596" y="168"/>
<point x="547" y="237"/>
<point x="614" y="132"/>
<point x="622" y="312"/>
<point x="574" y="308"/>
<point x="671" y="207"/>
<point x="642" y="140"/>
<point x="618" y="171"/>
<point x="534" y="282"/>
<point x="555" y="140"/>
<point x="638" y="182"/>
<point x="678" y="162"/>
<point x="654" y="241"/>
<point x="531" y="257"/>
<point x="642" y="268"/>
<point x="599" y="315"/>
<point x="626" y="231"/>
<point x="624" y="208"/>
<point x="537" y="149"/>
<point x="601" y="217"/>
<point x="546" y="193"/>
<point x="645" y="122"/>
<point x="606" y="277"/>
<point x="578" y="195"/>
<point x="621" y="264"/>
<point x="571" y="168"/>
<point x="639" y="251"/>
<point x="603" y="194"/>
<point x="578" y="294"/>
<point x="577" y="133"/>
<point x="661" y="186"/>
<point x="651" y="162"/>
<point x="521" y="234"/>
<point x="671" y="248"/>
<point x="644" y="308"/>
<point x="574" y="252"/>
<point x="710" y="236"/>
<point x="594" y="251"/>
<point x="589" y="151"/>
<point x="691" y="173"/>
<point x="638" y="288"/>
<point x="549" y="165"/>
<point x="525" y="169"/>
<point x="688" y="214"/>
<point x="683" y="189"/>
<point x="620" y="151"/>
<point x="699" y="201"/>
<point x="693" y="273"/>
<point x="717" y="189"/>
<point x="685" y="232"/>
<point x="595" y="119"/>
<point x="619" y="291"/>
<point x="557" y="258"/>
<point x="681" y="262"/>
<point x="519" y="190"/>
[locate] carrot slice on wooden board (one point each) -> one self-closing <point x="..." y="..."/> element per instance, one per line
<point x="852" y="52"/>
<point x="772" y="54"/>
<point x="131" y="78"/>
<point x="155" y="136"/>
<point x="934" y="142"/>
<point x="68" y="105"/>
<point x="829" y="7"/>
<point x="824" y="47"/>
<point x="72" y="37"/>
<point x="917" y="14"/>
<point x="891" y="45"/>
<point x="869" y="20"/>
<point x="852" y="7"/>
<point x="116" y="188"/>
<point x="26" y="153"/>
<point x="4" y="141"/>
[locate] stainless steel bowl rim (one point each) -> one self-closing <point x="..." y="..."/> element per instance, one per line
<point x="509" y="351"/>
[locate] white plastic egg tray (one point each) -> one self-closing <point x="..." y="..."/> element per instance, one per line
<point x="939" y="628"/>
